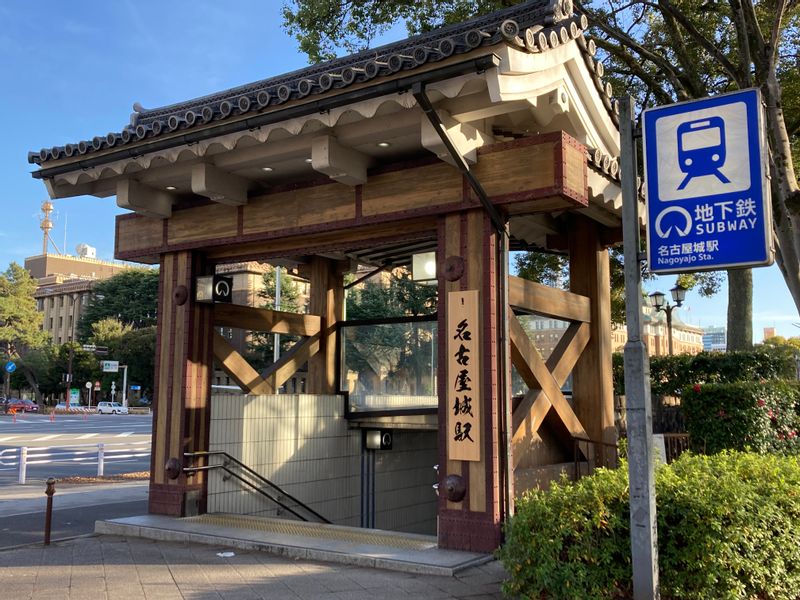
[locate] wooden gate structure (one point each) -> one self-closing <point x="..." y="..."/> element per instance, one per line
<point x="496" y="132"/>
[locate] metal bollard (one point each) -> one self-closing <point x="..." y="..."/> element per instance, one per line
<point x="48" y="515"/>
<point x="101" y="459"/>
<point x="23" y="464"/>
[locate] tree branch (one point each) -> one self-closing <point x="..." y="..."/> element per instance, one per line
<point x="742" y="41"/>
<point x="708" y="45"/>
<point x="636" y="70"/>
<point x="632" y="44"/>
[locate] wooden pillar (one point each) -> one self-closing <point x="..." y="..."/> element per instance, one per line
<point x="592" y="389"/>
<point x="472" y="524"/>
<point x="184" y="367"/>
<point x="326" y="299"/>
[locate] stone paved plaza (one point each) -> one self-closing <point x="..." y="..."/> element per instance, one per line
<point x="109" y="567"/>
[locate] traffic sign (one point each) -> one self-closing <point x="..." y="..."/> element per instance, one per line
<point x="135" y="388"/>
<point x="10" y="367"/>
<point x="88" y="385"/>
<point x="88" y="347"/>
<point x="110" y="366"/>
<point x="707" y="189"/>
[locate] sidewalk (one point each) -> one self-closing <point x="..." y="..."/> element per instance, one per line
<point x="110" y="567"/>
<point x="116" y="567"/>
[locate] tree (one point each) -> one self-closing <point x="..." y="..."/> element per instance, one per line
<point x="129" y="297"/>
<point x="20" y="322"/>
<point x="667" y="52"/>
<point x="401" y="350"/>
<point x="659" y="51"/>
<point x="261" y="345"/>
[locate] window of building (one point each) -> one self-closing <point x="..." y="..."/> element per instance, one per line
<point x="60" y="323"/>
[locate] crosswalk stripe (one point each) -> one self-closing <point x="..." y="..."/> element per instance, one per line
<point x="8" y="438"/>
<point x="47" y="437"/>
<point x="126" y="434"/>
<point x="86" y="436"/>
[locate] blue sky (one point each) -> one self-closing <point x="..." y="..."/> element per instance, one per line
<point x="72" y="70"/>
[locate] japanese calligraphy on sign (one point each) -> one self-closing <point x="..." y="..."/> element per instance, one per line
<point x="463" y="377"/>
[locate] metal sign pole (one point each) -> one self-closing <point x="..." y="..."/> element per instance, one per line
<point x="644" y="548"/>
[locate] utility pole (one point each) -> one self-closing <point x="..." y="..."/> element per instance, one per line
<point x="644" y="547"/>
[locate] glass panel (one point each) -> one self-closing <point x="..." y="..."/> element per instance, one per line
<point x="390" y="366"/>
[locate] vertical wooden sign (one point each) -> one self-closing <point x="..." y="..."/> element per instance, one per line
<point x="463" y="377"/>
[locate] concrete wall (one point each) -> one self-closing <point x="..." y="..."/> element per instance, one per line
<point x="404" y="498"/>
<point x="300" y="442"/>
<point x="303" y="444"/>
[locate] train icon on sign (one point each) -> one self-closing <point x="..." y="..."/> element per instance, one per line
<point x="701" y="149"/>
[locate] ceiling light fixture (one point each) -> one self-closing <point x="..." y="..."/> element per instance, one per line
<point x="267" y="169"/>
<point x="308" y="160"/>
<point x="383" y="144"/>
<point x="171" y="188"/>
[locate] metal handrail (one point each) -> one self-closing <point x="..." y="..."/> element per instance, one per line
<point x="256" y="475"/>
<point x="578" y="452"/>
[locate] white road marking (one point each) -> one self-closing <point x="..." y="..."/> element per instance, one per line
<point x="86" y="436"/>
<point x="47" y="437"/>
<point x="8" y="438"/>
<point x="126" y="434"/>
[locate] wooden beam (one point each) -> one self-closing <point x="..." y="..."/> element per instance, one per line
<point x="532" y="369"/>
<point x="568" y="350"/>
<point x="265" y="320"/>
<point x="218" y="185"/>
<point x="288" y="364"/>
<point x="548" y="301"/>
<point x="144" y="200"/>
<point x="234" y="364"/>
<point x="338" y="162"/>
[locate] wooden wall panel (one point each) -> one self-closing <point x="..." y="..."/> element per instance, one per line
<point x="433" y="185"/>
<point x="308" y="206"/>
<point x="517" y="169"/>
<point x="202" y="223"/>
<point x="135" y="232"/>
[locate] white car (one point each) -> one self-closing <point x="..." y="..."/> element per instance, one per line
<point x="111" y="408"/>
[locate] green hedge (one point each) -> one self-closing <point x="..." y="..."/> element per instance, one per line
<point x="729" y="526"/>
<point x="762" y="417"/>
<point x="669" y="375"/>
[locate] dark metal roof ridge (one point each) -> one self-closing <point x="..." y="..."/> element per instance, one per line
<point x="404" y="84"/>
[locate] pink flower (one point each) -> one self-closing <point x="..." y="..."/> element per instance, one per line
<point x="696" y="387"/>
<point x="792" y="434"/>
<point x="761" y="402"/>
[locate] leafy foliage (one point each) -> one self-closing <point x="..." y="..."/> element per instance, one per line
<point x="20" y="322"/>
<point x="728" y="528"/>
<point x="670" y="375"/>
<point x="399" y="351"/>
<point x="762" y="417"/>
<point x="261" y="346"/>
<point x="130" y="297"/>
<point x="323" y="27"/>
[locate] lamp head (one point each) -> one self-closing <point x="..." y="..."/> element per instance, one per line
<point x="678" y="294"/>
<point x="657" y="300"/>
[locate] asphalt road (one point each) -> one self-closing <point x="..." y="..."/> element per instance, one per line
<point x="52" y="445"/>
<point x="27" y="528"/>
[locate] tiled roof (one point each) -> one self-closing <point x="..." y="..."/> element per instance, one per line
<point x="534" y="26"/>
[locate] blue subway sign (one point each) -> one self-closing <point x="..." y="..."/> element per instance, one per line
<point x="708" y="201"/>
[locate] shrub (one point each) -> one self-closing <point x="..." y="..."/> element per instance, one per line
<point x="670" y="375"/>
<point x="729" y="526"/>
<point x="761" y="417"/>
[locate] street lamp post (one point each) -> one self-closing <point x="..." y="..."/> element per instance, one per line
<point x="657" y="300"/>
